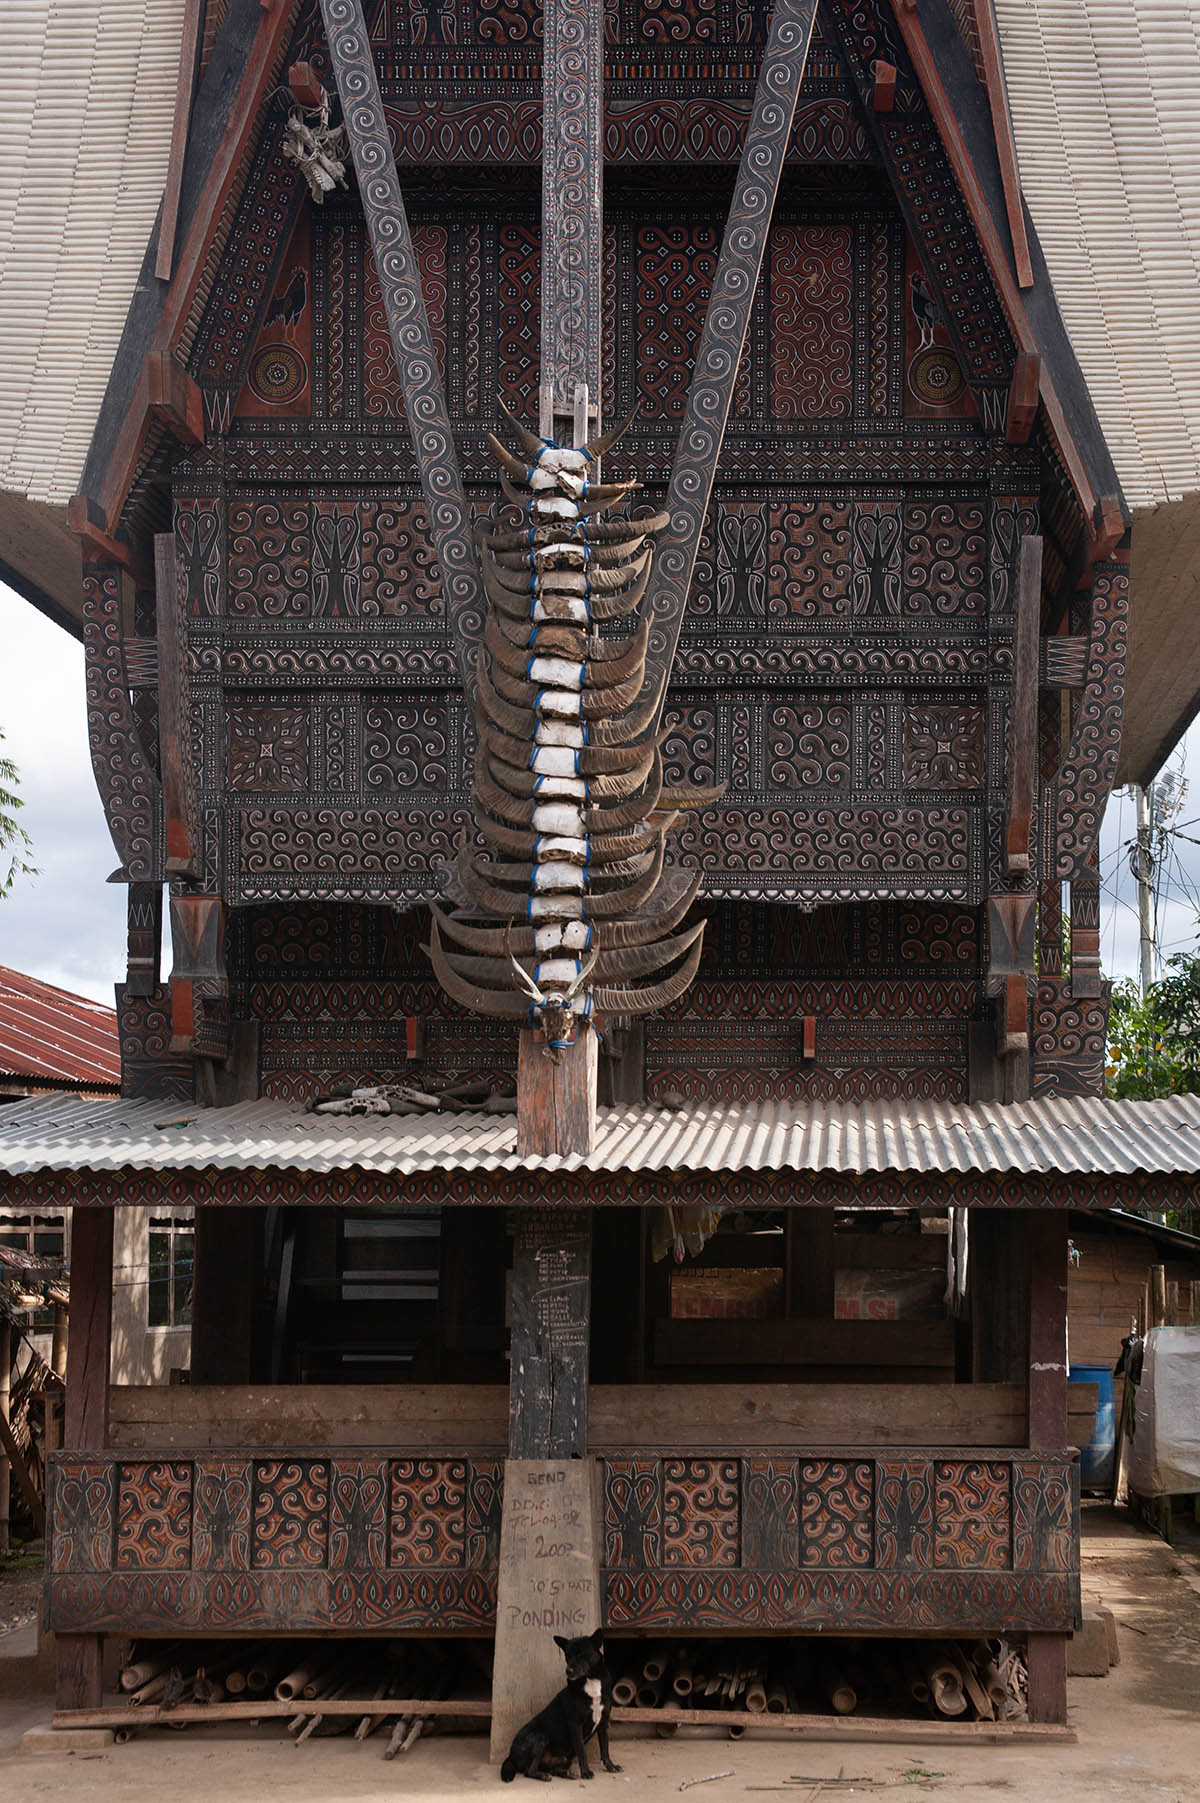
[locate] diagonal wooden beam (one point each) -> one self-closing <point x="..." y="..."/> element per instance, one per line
<point x="572" y="205"/>
<point x="451" y="524"/>
<point x="727" y="320"/>
<point x="1006" y="147"/>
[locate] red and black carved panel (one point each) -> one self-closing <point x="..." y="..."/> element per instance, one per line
<point x="904" y="1513"/>
<point x="812" y="322"/>
<point x="428" y="1512"/>
<point x="358" y="1514"/>
<point x="633" y="1512"/>
<point x="290" y="1526"/>
<point x="223" y="1508"/>
<point x="770" y="1514"/>
<point x="154" y="1516"/>
<point x="972" y="1508"/>
<point x="836" y="1526"/>
<point x="700" y="1511"/>
<point x="367" y="1542"/>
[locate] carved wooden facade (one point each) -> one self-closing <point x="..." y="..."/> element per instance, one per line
<point x="916" y="717"/>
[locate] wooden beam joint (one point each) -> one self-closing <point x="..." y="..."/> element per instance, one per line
<point x="1023" y="395"/>
<point x="883" y="92"/>
<point x="175" y="398"/>
<point x="305" y="86"/>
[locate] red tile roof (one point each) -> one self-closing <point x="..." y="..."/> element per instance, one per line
<point x="51" y="1036"/>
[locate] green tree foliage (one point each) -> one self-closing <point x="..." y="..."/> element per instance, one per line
<point x="1154" y="1040"/>
<point x="15" y="842"/>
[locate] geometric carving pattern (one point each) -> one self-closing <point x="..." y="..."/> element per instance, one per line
<point x="700" y="1512"/>
<point x="943" y="747"/>
<point x="291" y="1512"/>
<point x="154" y="1515"/>
<point x="835" y="1513"/>
<point x="427" y="1524"/>
<point x="972" y="1506"/>
<point x="210" y="1542"/>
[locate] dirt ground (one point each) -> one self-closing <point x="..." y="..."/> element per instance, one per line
<point x="1138" y="1733"/>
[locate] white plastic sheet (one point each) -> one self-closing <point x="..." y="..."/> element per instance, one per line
<point x="1164" y="1453"/>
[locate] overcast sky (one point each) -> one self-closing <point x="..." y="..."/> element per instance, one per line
<point x="67" y="925"/>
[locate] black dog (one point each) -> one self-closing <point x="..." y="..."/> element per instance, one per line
<point x="545" y="1746"/>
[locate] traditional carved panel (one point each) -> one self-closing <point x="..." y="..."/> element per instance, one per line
<point x="972" y="1507"/>
<point x="1075" y="804"/>
<point x="358" y="1514"/>
<point x="427" y="1512"/>
<point x="1069" y="1037"/>
<point x="758" y="1541"/>
<point x="770" y="1514"/>
<point x="154" y="1516"/>
<point x="835" y="1513"/>
<point x="943" y="748"/>
<point x="291" y="1513"/>
<point x="266" y="748"/>
<point x="148" y="1066"/>
<point x="700" y="1512"/>
<point x="812" y="322"/>
<point x="129" y="788"/>
<point x="904" y="1513"/>
<point x="633" y="1512"/>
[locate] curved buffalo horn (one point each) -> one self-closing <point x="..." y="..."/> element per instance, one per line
<point x="597" y="447"/>
<point x="594" y="760"/>
<point x="532" y="443"/>
<point x="633" y="811"/>
<point x="636" y="722"/>
<point x="520" y="581"/>
<point x="659" y="995"/>
<point x="603" y="849"/>
<point x="593" y="703"/>
<point x="567" y="640"/>
<point x="693" y="798"/>
<point x="600" y="557"/>
<point x="503" y="1004"/>
<point x="515" y="468"/>
<point x="522" y="975"/>
<point x="595" y="499"/>
<point x="611" y="906"/>
<point x="520" y="497"/>
<point x="517" y="721"/>
<point x="506" y="804"/>
<point x="509" y="904"/>
<point x="518" y="604"/>
<point x="614" y="935"/>
<point x="520" y="876"/>
<point x="614" y="966"/>
<point x="600" y="531"/>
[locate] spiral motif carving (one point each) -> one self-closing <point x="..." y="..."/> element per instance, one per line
<point x="129" y="789"/>
<point x="413" y="345"/>
<point x="1086" y="777"/>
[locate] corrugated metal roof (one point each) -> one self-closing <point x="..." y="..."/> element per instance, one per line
<point x="49" y="1035"/>
<point x="1067" y="1137"/>
<point x="85" y="132"/>
<point x="1103" y="96"/>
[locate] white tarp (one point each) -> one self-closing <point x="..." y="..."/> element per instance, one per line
<point x="1164" y="1454"/>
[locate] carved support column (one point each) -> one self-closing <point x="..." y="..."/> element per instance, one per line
<point x="551" y="1293"/>
<point x="572" y="211"/>
<point x="85" y="1426"/>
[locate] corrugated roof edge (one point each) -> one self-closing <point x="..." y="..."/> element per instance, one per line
<point x="1068" y="1136"/>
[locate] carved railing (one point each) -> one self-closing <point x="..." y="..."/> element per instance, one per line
<point x="967" y="1541"/>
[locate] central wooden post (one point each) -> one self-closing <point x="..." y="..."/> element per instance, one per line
<point x="78" y="1657"/>
<point x="556" y="1097"/>
<point x="549" y="1579"/>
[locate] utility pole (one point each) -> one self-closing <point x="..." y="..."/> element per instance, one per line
<point x="1141" y="863"/>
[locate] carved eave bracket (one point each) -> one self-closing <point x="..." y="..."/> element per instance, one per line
<point x="129" y="788"/>
<point x="1074" y="800"/>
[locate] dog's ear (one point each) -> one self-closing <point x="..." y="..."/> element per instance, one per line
<point x="559" y="1641"/>
<point x="598" y="1638"/>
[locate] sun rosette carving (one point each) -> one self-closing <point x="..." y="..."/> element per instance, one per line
<point x="573" y="906"/>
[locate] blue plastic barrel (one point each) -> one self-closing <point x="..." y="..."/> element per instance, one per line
<point x="1096" y="1465"/>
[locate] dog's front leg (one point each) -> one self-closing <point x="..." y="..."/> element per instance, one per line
<point x="602" y="1743"/>
<point x="585" y="1770"/>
